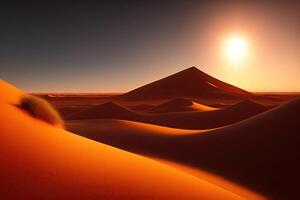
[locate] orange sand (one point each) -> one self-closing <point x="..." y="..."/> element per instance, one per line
<point x="39" y="161"/>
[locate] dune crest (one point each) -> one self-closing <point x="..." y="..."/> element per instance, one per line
<point x="9" y="93"/>
<point x="248" y="105"/>
<point x="180" y="105"/>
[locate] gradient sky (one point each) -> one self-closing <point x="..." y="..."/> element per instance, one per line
<point x="120" y="45"/>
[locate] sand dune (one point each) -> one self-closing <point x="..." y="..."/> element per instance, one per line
<point x="126" y="128"/>
<point x="180" y="105"/>
<point x="248" y="106"/>
<point x="126" y="134"/>
<point x="67" y="110"/>
<point x="189" y="83"/>
<point x="106" y="110"/>
<point x="10" y="94"/>
<point x="39" y="161"/>
<point x="260" y="153"/>
<point x="184" y="120"/>
<point x="207" y="120"/>
<point x="141" y="107"/>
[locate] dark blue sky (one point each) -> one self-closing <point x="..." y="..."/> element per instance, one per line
<point x="119" y="45"/>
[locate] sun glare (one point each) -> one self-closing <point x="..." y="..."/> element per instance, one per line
<point x="236" y="49"/>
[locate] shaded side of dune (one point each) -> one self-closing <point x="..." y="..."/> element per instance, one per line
<point x="179" y="105"/>
<point x="209" y="119"/>
<point x="183" y="120"/>
<point x="108" y="110"/>
<point x="188" y="83"/>
<point x="260" y="153"/>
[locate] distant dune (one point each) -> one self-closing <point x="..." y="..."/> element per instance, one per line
<point x="39" y="161"/>
<point x="260" y="153"/>
<point x="124" y="127"/>
<point x="189" y="83"/>
<point x="106" y="110"/>
<point x="142" y="107"/>
<point x="185" y="120"/>
<point x="180" y="105"/>
<point x="65" y="111"/>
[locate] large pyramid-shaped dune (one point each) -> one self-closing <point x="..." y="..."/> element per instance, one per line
<point x="189" y="83"/>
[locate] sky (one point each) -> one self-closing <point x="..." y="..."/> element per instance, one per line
<point x="116" y="46"/>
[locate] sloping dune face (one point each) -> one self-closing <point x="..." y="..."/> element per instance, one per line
<point x="184" y="120"/>
<point x="141" y="138"/>
<point x="106" y="110"/>
<point x="192" y="82"/>
<point x="261" y="153"/>
<point x="248" y="106"/>
<point x="39" y="161"/>
<point x="9" y="93"/>
<point x="209" y="119"/>
<point x="122" y="129"/>
<point x="180" y="105"/>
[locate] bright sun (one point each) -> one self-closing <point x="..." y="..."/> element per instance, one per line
<point x="236" y="49"/>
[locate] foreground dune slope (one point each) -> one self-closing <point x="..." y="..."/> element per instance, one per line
<point x="39" y="161"/>
<point x="183" y="120"/>
<point x="260" y="153"/>
<point x="9" y="93"/>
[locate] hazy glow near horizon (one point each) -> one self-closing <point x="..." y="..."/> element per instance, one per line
<point x="236" y="49"/>
<point x="119" y="46"/>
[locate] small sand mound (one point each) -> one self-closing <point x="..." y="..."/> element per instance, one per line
<point x="248" y="105"/>
<point x="142" y="107"/>
<point x="41" y="109"/>
<point x="180" y="105"/>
